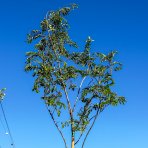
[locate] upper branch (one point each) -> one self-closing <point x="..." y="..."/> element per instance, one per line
<point x="77" y="98"/>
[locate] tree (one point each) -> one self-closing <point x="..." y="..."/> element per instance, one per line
<point x="7" y="129"/>
<point x="73" y="82"/>
<point x="2" y="94"/>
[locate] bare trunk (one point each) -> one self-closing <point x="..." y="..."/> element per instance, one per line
<point x="73" y="142"/>
<point x="72" y="134"/>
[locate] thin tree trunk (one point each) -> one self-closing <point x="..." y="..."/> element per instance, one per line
<point x="72" y="142"/>
<point x="72" y="131"/>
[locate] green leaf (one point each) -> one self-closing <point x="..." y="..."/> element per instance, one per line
<point x="58" y="113"/>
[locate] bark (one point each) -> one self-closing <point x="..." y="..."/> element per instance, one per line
<point x="72" y="131"/>
<point x="73" y="142"/>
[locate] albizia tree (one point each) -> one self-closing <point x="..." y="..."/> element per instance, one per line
<point x="74" y="82"/>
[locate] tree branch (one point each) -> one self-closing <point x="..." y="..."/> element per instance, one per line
<point x="78" y="94"/>
<point x="84" y="129"/>
<point x="54" y="121"/>
<point x="52" y="117"/>
<point x="68" y="101"/>
<point x="90" y="128"/>
<point x="79" y="138"/>
<point x="95" y="116"/>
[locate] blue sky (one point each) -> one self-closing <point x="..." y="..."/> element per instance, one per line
<point x="121" y="25"/>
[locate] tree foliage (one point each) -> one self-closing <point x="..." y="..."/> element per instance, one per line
<point x="78" y="82"/>
<point x="2" y="94"/>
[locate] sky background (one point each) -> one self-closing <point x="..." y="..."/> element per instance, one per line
<point x="116" y="24"/>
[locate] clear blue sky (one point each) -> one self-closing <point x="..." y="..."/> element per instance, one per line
<point x="116" y="24"/>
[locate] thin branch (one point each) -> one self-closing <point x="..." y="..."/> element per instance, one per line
<point x="89" y="119"/>
<point x="55" y="123"/>
<point x="84" y="130"/>
<point x="90" y="82"/>
<point x="77" y="98"/>
<point x="92" y="118"/>
<point x="90" y="128"/>
<point x="79" y="138"/>
<point x="54" y="111"/>
<point x="68" y="100"/>
<point x="83" y="113"/>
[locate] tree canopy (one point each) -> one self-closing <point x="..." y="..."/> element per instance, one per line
<point x="75" y="82"/>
